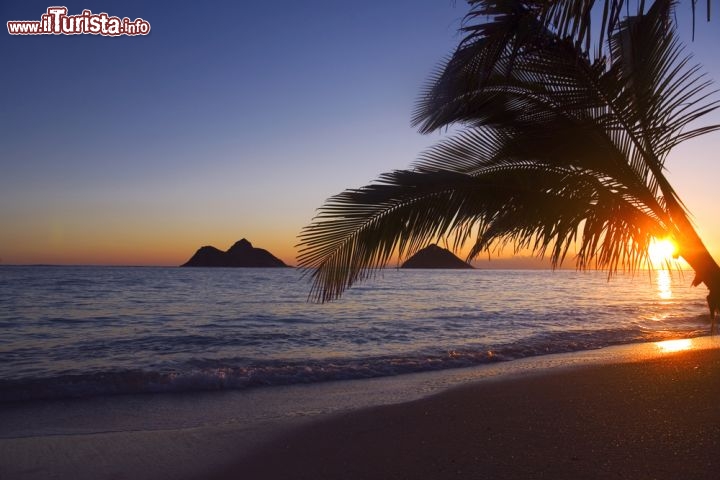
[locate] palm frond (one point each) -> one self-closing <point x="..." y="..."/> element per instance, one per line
<point x="644" y="99"/>
<point x="475" y="186"/>
<point x="578" y="19"/>
<point x="561" y="149"/>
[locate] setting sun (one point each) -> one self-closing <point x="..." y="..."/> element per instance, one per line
<point x="661" y="251"/>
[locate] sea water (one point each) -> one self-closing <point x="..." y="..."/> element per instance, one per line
<point x="89" y="331"/>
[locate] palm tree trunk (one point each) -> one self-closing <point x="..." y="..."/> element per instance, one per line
<point x="692" y="248"/>
<point x="706" y="268"/>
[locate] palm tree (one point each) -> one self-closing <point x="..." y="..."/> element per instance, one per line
<point x="562" y="146"/>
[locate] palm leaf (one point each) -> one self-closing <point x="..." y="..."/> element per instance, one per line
<point x="561" y="149"/>
<point x="483" y="191"/>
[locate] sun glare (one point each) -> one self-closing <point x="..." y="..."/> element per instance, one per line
<point x="661" y="251"/>
<point x="669" y="346"/>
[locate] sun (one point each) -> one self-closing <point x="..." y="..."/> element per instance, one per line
<point x="661" y="251"/>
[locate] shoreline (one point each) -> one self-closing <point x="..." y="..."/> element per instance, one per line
<point x="648" y="418"/>
<point x="192" y="435"/>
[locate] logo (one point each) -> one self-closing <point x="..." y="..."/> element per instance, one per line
<point x="56" y="21"/>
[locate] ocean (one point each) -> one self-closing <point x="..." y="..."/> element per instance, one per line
<point x="77" y="332"/>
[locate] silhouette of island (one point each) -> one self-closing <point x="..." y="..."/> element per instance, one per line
<point x="242" y="254"/>
<point x="433" y="256"/>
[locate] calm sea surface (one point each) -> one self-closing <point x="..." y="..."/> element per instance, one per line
<point x="81" y="331"/>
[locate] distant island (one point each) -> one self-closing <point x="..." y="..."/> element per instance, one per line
<point x="242" y="254"/>
<point x="433" y="256"/>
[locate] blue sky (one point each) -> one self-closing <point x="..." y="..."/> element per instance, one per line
<point x="231" y="119"/>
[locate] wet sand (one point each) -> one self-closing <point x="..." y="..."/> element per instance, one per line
<point x="652" y="419"/>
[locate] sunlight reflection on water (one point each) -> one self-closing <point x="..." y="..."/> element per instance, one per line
<point x="664" y="284"/>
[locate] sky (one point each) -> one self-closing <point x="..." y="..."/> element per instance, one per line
<point x="230" y="120"/>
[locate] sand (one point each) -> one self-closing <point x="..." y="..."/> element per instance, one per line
<point x="654" y="419"/>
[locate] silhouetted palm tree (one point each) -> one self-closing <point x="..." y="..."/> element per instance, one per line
<point x="562" y="147"/>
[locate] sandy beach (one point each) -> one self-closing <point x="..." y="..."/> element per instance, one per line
<point x="653" y="419"/>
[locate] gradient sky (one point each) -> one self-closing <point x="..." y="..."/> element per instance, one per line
<point x="231" y="119"/>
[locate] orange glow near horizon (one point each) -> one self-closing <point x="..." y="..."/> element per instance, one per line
<point x="142" y="242"/>
<point x="134" y="248"/>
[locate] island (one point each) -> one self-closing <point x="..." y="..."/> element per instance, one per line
<point x="241" y="254"/>
<point x="433" y="256"/>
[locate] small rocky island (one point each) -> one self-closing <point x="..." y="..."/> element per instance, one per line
<point x="433" y="256"/>
<point x="242" y="254"/>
